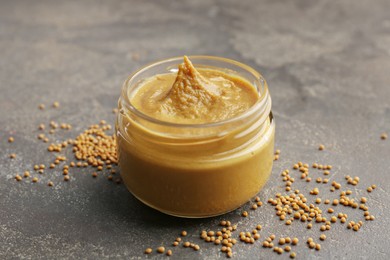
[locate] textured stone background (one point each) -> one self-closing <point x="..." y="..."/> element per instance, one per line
<point x="327" y="64"/>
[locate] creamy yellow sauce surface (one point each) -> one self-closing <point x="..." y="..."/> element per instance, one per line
<point x="194" y="96"/>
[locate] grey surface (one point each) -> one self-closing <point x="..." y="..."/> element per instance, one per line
<point x="328" y="67"/>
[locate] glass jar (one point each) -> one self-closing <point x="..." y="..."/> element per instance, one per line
<point x="195" y="170"/>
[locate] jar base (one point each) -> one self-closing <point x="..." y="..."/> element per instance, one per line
<point x="183" y="215"/>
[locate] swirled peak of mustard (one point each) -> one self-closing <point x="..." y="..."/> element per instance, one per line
<point x="194" y="95"/>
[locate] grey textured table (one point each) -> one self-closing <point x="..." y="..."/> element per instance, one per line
<point x="327" y="64"/>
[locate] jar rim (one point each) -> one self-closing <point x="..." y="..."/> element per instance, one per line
<point x="260" y="104"/>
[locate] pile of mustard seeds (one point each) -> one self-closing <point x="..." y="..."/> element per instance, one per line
<point x="93" y="148"/>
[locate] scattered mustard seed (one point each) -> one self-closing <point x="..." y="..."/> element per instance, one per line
<point x="148" y="250"/>
<point x="160" y="249"/>
<point x="169" y="252"/>
<point x="321" y="147"/>
<point x="384" y="136"/>
<point x="11" y="139"/>
<point x="184" y="233"/>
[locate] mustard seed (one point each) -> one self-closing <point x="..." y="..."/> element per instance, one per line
<point x="369" y="189"/>
<point x="184" y="233"/>
<point x="41" y="106"/>
<point x="56" y="104"/>
<point x="35" y="179"/>
<point x="148" y="251"/>
<point x="26" y="174"/>
<point x="169" y="252"/>
<point x="244" y="214"/>
<point x="282" y="241"/>
<point x="356" y="227"/>
<point x="287" y="249"/>
<point x="295" y="241"/>
<point x="50" y="184"/>
<point x="312" y="245"/>
<point x="318" y="247"/>
<point x="323" y="237"/>
<point x="160" y="249"/>
<point x="384" y="136"/>
<point x="11" y="139"/>
<point x="66" y="178"/>
<point x="186" y="244"/>
<point x="321" y="147"/>
<point x="18" y="177"/>
<point x="293" y="255"/>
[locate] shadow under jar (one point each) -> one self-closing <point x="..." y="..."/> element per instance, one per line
<point x="195" y="170"/>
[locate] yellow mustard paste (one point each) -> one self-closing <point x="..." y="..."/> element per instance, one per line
<point x="194" y="96"/>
